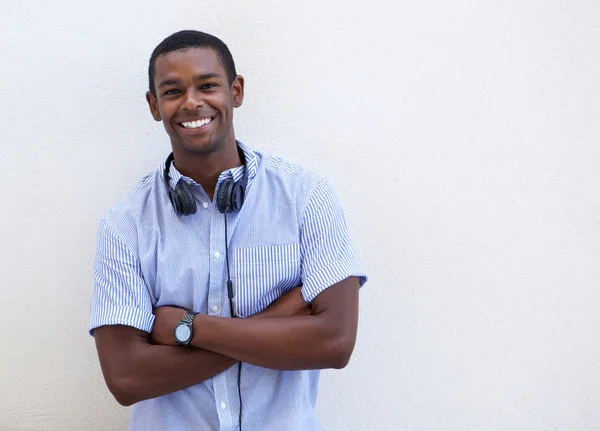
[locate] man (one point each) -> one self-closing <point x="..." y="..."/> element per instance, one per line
<point x="257" y="246"/>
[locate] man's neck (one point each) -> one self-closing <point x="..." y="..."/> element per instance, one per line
<point x="205" y="168"/>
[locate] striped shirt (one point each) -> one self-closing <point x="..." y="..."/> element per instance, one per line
<point x="290" y="231"/>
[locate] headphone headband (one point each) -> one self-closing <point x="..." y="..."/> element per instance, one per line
<point x="167" y="167"/>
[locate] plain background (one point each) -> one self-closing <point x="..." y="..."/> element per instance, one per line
<point x="462" y="138"/>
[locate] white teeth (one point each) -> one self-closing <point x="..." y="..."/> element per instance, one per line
<point x="196" y="124"/>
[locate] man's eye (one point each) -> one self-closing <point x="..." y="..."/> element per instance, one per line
<point x="171" y="92"/>
<point x="207" y="86"/>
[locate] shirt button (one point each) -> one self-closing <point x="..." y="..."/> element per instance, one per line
<point x="217" y="254"/>
<point x="205" y="204"/>
<point x="215" y="308"/>
<point x="223" y="405"/>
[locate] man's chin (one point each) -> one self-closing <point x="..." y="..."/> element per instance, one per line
<point x="196" y="147"/>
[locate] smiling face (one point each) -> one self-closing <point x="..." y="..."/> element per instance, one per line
<point x="195" y="101"/>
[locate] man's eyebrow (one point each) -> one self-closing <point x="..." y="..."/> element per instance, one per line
<point x="168" y="82"/>
<point x="206" y="76"/>
<point x="202" y="77"/>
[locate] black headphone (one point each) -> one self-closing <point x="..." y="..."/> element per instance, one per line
<point x="230" y="194"/>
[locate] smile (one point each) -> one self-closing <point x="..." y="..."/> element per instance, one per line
<point x="196" y="124"/>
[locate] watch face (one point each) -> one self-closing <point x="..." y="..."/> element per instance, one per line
<point x="182" y="333"/>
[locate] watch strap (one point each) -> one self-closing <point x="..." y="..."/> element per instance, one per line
<point x="189" y="317"/>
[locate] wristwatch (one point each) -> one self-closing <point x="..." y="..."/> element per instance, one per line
<point x="184" y="331"/>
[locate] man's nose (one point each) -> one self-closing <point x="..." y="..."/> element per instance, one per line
<point x="193" y="100"/>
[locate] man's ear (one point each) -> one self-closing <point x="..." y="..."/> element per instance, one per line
<point x="237" y="90"/>
<point x="153" y="104"/>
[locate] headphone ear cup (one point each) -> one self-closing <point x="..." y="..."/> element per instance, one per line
<point x="185" y="199"/>
<point x="237" y="197"/>
<point x="224" y="196"/>
<point x="174" y="201"/>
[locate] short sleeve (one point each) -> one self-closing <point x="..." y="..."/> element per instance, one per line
<point x="120" y="296"/>
<point x="326" y="249"/>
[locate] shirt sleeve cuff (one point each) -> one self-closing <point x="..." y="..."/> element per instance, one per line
<point x="330" y="275"/>
<point x="128" y="316"/>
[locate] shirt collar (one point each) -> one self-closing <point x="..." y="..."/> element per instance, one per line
<point x="237" y="173"/>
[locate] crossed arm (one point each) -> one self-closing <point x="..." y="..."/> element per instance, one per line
<point x="288" y="335"/>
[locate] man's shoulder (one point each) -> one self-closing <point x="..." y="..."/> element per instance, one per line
<point x="135" y="207"/>
<point x="279" y="169"/>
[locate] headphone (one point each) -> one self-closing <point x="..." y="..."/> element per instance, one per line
<point x="230" y="194"/>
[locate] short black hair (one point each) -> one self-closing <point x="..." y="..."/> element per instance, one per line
<point x="186" y="39"/>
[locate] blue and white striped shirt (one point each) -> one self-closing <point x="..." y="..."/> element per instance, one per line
<point x="290" y="231"/>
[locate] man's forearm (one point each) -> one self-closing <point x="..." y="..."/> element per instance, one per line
<point x="323" y="339"/>
<point x="287" y="335"/>
<point x="169" y="369"/>
<point x="290" y="343"/>
<point x="143" y="370"/>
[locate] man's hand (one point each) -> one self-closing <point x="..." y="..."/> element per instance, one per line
<point x="166" y="318"/>
<point x="289" y="304"/>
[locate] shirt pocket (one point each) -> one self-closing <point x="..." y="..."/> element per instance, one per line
<point x="263" y="274"/>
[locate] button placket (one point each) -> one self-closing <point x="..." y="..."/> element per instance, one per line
<point x="224" y="404"/>
<point x="216" y="295"/>
<point x="224" y="392"/>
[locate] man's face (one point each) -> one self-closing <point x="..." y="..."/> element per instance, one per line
<point x="194" y="99"/>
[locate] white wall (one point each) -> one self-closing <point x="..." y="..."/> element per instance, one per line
<point x="462" y="138"/>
